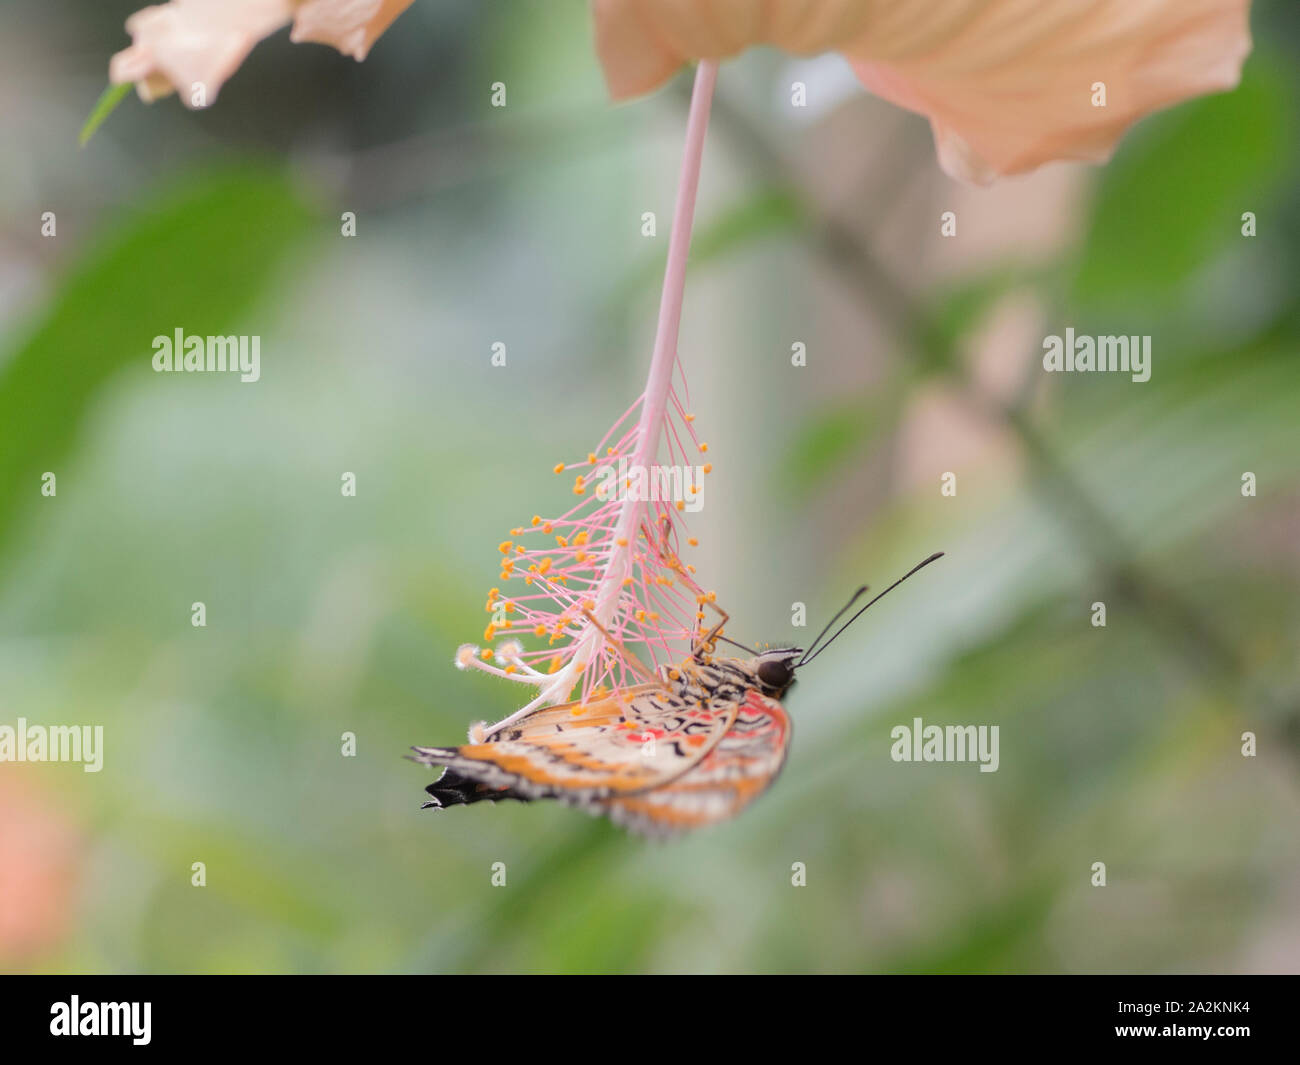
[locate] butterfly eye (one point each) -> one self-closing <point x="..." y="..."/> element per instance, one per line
<point x="775" y="672"/>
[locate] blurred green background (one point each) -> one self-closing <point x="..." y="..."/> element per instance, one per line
<point x="475" y="225"/>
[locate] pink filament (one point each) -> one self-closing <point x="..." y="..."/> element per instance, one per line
<point x="679" y="248"/>
<point x="603" y="580"/>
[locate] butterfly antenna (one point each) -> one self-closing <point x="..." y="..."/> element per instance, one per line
<point x="852" y="599"/>
<point x="919" y="566"/>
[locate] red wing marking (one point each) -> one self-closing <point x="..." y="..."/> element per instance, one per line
<point x="738" y="769"/>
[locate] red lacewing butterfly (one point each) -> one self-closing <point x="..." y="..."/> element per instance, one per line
<point x="691" y="748"/>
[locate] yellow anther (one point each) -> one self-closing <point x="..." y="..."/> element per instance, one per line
<point x="693" y="542"/>
<point x="707" y="467"/>
<point x="559" y="467"/>
<point x="689" y="417"/>
<point x="545" y="565"/>
<point x="621" y="541"/>
<point x="562" y="541"/>
<point x="486" y="654"/>
<point x="488" y="634"/>
<point x="537" y="518"/>
<point x="591" y="457"/>
<point x="540" y="630"/>
<point x="504" y="546"/>
<point x="548" y="528"/>
<point x="704" y="447"/>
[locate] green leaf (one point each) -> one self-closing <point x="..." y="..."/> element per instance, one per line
<point x="828" y="441"/>
<point x="196" y="258"/>
<point x="772" y="210"/>
<point x="1174" y="194"/>
<point x="104" y="106"/>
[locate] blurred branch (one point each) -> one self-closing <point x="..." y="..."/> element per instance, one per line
<point x="1085" y="520"/>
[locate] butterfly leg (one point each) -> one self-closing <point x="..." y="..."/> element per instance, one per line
<point x="706" y="644"/>
<point x="628" y="656"/>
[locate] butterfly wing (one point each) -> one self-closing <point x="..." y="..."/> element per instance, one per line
<point x="580" y="758"/>
<point x="738" y="769"/>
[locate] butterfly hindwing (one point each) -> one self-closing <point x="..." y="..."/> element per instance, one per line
<point x="738" y="769"/>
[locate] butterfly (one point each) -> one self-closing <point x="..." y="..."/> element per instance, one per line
<point x="691" y="748"/>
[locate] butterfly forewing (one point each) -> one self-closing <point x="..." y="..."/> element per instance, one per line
<point x="613" y="747"/>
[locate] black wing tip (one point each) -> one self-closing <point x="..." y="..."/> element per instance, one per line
<point x="452" y="789"/>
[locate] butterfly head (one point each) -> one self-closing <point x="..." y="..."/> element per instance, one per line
<point x="775" y="669"/>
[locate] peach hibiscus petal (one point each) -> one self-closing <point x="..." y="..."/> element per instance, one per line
<point x="1006" y="84"/>
<point x="642" y="43"/>
<point x="1012" y="87"/>
<point x="351" y="26"/>
<point x="185" y="43"/>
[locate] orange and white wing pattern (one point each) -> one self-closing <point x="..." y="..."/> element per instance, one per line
<point x="734" y="773"/>
<point x="611" y="747"/>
